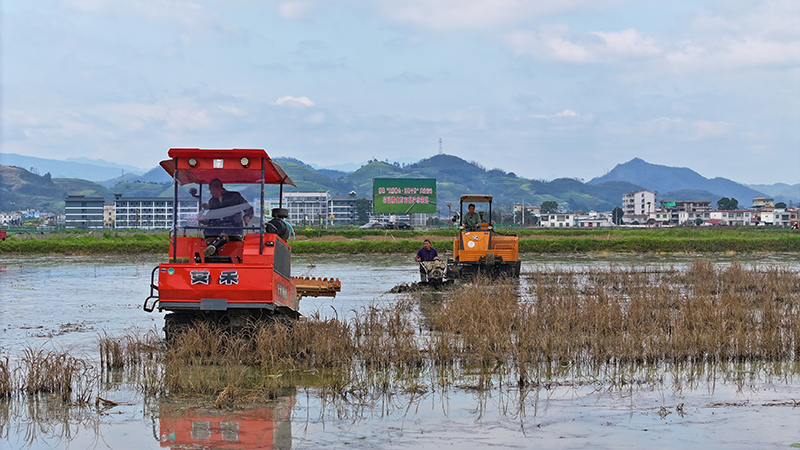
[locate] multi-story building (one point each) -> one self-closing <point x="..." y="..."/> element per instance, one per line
<point x="557" y="220"/>
<point x="152" y="213"/>
<point x="778" y="217"/>
<point x="675" y="207"/>
<point x="306" y="208"/>
<point x="108" y="216"/>
<point x="343" y="210"/>
<point x="694" y="217"/>
<point x="735" y="218"/>
<point x="593" y="220"/>
<point x="659" y="218"/>
<point x="83" y="212"/>
<point x="533" y="210"/>
<point x="638" y="202"/>
<point x="760" y="203"/>
<point x="9" y="217"/>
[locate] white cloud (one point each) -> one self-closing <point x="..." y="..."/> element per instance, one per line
<point x="196" y="23"/>
<point x="763" y="36"/>
<point x="233" y="110"/>
<point x="734" y="52"/>
<point x="627" y="43"/>
<point x="449" y="15"/>
<point x="565" y="113"/>
<point x="316" y="118"/>
<point x="561" y="44"/>
<point x="477" y="14"/>
<point x="288" y="100"/>
<point x="295" y="9"/>
<point x="706" y="129"/>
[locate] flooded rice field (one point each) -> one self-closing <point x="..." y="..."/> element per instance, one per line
<point x="67" y="304"/>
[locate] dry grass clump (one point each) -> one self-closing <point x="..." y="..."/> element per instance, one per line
<point x="204" y="359"/>
<point x="385" y="338"/>
<point x="134" y="356"/>
<point x="704" y="314"/>
<point x="474" y="325"/>
<point x="50" y="372"/>
<point x="6" y="378"/>
<point x="603" y="318"/>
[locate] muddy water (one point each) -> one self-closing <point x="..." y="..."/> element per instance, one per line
<point x="66" y="303"/>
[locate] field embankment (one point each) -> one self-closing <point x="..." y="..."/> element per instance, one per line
<point x="673" y="240"/>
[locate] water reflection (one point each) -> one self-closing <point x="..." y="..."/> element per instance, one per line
<point x="267" y="426"/>
<point x="482" y="409"/>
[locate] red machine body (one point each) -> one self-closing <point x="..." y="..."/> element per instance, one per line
<point x="250" y="277"/>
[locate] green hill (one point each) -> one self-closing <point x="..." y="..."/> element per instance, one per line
<point x="20" y="189"/>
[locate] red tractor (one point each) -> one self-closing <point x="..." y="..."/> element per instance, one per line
<point x="219" y="269"/>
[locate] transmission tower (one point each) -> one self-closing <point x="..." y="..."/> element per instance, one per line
<point x="440" y="146"/>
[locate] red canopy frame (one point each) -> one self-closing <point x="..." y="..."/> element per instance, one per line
<point x="234" y="166"/>
<point x="224" y="164"/>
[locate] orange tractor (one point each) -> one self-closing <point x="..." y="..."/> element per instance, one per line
<point x="244" y="276"/>
<point x="478" y="248"/>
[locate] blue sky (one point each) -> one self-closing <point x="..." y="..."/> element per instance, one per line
<point x="543" y="89"/>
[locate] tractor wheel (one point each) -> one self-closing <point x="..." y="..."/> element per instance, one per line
<point x="176" y="323"/>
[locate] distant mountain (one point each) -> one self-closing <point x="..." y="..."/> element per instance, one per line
<point x="780" y="192"/>
<point x="664" y="179"/>
<point x="333" y="174"/>
<point x="66" y="169"/>
<point x="694" y="194"/>
<point x="771" y="190"/>
<point x="21" y="189"/>
<point x="104" y="163"/>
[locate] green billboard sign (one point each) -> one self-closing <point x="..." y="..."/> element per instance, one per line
<point x="404" y="195"/>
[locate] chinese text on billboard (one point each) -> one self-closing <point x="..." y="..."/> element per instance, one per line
<point x="404" y="195"/>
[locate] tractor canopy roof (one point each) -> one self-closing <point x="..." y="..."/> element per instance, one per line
<point x="476" y="198"/>
<point x="235" y="166"/>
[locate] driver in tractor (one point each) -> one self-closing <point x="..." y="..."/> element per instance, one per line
<point x="228" y="213"/>
<point x="471" y="220"/>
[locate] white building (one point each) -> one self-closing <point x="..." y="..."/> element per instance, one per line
<point x="557" y="220"/>
<point x="737" y="218"/>
<point x="593" y="220"/>
<point x="152" y="213"/>
<point x="691" y="217"/>
<point x="638" y="202"/>
<point x="635" y="219"/>
<point x="8" y="217"/>
<point x="778" y="217"/>
<point x="306" y="208"/>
